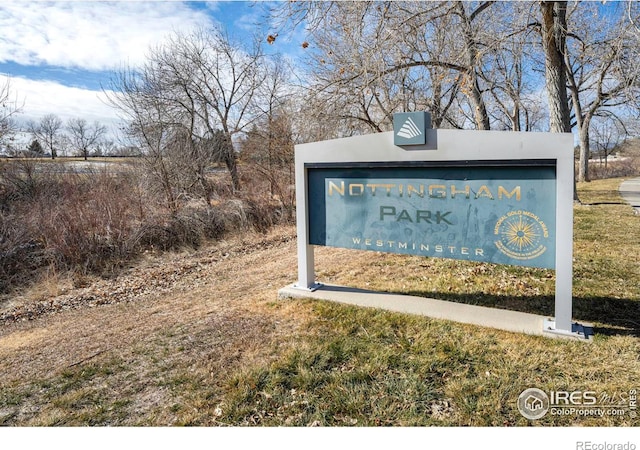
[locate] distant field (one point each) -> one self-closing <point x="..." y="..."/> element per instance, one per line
<point x="198" y="338"/>
<point x="78" y="162"/>
<point x="65" y="164"/>
<point x="66" y="159"/>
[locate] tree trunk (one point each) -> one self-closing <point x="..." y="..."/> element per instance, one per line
<point x="481" y="117"/>
<point x="554" y="35"/>
<point x="230" y="161"/>
<point x="480" y="111"/>
<point x="554" y="38"/>
<point x="585" y="151"/>
<point x="515" y="118"/>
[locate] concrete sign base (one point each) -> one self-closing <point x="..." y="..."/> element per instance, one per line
<point x="499" y="319"/>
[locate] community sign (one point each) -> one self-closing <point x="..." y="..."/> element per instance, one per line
<point x="485" y="196"/>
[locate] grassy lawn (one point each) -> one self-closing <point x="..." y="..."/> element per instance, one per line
<point x="217" y="348"/>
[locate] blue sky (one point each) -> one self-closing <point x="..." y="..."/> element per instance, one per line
<point x="59" y="55"/>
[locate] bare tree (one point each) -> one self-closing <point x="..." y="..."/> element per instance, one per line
<point x="10" y="106"/>
<point x="198" y="85"/>
<point x="633" y="14"/>
<point x="212" y="82"/>
<point x="353" y="85"/>
<point x="601" y="70"/>
<point x="606" y="135"/>
<point x="470" y="64"/>
<point x="371" y="59"/>
<point x="472" y="60"/>
<point x="275" y="126"/>
<point x="148" y="130"/>
<point x="47" y="131"/>
<point x="268" y="146"/>
<point x="509" y="71"/>
<point x="347" y="84"/>
<point x="84" y="136"/>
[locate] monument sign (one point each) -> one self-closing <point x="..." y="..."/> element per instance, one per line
<point x="486" y="196"/>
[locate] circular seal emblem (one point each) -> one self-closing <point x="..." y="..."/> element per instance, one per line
<point x="533" y="403"/>
<point x="521" y="235"/>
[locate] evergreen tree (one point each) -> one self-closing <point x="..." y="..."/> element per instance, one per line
<point x="35" y="148"/>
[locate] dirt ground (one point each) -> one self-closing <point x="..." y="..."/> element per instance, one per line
<point x="216" y="306"/>
<point x="161" y="343"/>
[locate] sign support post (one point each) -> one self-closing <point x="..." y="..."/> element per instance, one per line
<point x="306" y="269"/>
<point x="564" y="252"/>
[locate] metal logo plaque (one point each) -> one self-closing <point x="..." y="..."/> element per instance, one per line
<point x="503" y="215"/>
<point x="410" y="128"/>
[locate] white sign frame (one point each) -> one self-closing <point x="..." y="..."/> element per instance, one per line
<point x="444" y="146"/>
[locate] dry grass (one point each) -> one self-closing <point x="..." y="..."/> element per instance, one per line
<point x="145" y="351"/>
<point x="212" y="346"/>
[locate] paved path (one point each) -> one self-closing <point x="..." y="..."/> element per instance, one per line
<point x="630" y="192"/>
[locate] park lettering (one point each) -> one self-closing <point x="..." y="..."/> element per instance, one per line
<point x="419" y="216"/>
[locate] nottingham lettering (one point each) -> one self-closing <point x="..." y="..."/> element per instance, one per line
<point x="421" y="190"/>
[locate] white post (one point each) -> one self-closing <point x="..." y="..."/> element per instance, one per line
<point x="564" y="244"/>
<point x="306" y="270"/>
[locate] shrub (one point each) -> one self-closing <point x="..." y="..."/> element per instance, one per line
<point x="627" y="167"/>
<point x="94" y="222"/>
<point x="19" y="253"/>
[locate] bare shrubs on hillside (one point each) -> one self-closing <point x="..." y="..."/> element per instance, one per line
<point x="87" y="223"/>
<point x="624" y="167"/>
<point x="95" y="222"/>
<point x="621" y="161"/>
<point x="19" y="253"/>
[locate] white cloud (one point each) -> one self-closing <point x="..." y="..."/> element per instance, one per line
<point x="90" y="35"/>
<point x="47" y="97"/>
<point x="68" y="40"/>
<point x="41" y="37"/>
